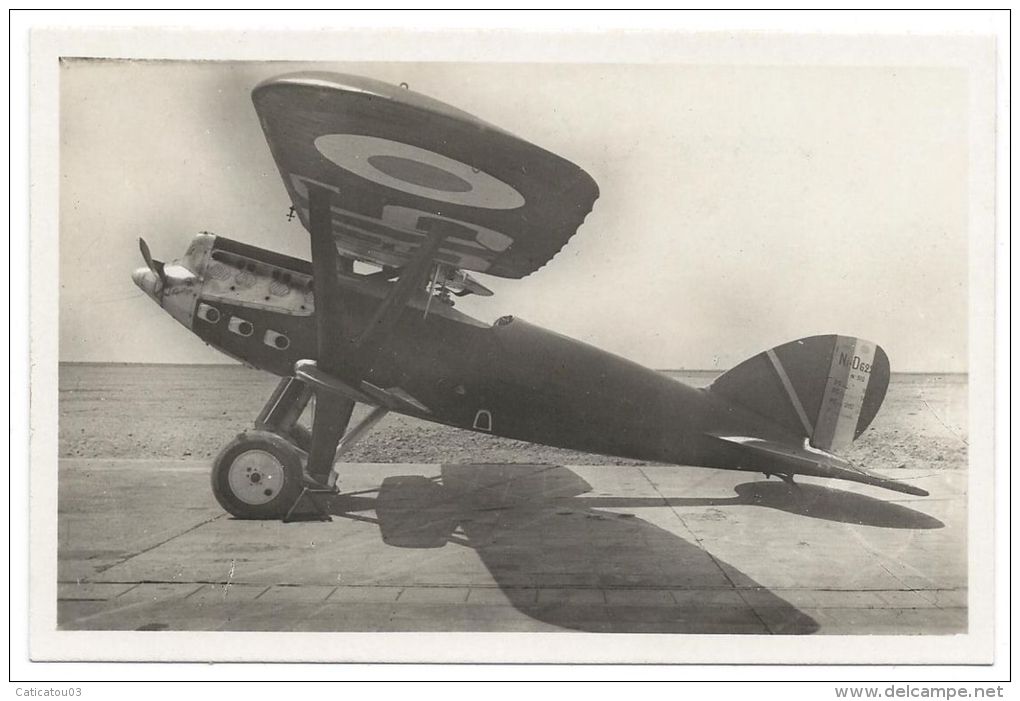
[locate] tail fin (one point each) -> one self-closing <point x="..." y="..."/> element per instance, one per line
<point x="825" y="388"/>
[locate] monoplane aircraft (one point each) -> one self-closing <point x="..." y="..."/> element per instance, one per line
<point x="427" y="194"/>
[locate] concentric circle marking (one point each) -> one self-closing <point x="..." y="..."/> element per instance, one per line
<point x="417" y="171"/>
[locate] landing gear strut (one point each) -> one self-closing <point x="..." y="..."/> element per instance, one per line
<point x="266" y="473"/>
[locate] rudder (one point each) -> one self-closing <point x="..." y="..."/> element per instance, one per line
<point x="826" y="388"/>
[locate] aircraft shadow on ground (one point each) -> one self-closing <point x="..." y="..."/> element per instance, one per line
<point x="533" y="529"/>
<point x="811" y="500"/>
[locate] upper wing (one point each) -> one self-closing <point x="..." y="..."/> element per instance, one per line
<point x="403" y="167"/>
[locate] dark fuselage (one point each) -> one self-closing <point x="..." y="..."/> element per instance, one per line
<point x="510" y="379"/>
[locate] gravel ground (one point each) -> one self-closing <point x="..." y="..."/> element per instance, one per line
<point x="173" y="411"/>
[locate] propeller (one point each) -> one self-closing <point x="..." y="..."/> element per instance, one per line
<point x="155" y="266"/>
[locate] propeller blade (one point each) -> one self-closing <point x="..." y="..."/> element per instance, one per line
<point x="154" y="265"/>
<point x="144" y="247"/>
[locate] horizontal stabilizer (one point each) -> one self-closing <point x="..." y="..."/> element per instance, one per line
<point x="775" y="458"/>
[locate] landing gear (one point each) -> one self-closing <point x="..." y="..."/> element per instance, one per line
<point x="272" y="472"/>
<point x="267" y="473"/>
<point x="258" y="475"/>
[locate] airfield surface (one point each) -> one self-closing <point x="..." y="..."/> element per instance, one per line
<point x="420" y="547"/>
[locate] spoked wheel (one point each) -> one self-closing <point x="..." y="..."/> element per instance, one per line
<point x="258" y="475"/>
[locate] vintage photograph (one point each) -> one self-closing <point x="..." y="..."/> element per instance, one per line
<point x="674" y="348"/>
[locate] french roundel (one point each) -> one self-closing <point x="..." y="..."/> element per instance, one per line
<point x="417" y="171"/>
<point x="402" y="166"/>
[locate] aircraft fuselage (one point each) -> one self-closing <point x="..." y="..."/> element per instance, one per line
<point x="510" y="379"/>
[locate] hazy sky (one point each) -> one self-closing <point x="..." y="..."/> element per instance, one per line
<point x="741" y="207"/>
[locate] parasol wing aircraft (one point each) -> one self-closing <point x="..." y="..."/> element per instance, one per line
<point x="426" y="194"/>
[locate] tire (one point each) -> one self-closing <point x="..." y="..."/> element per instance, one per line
<point x="258" y="475"/>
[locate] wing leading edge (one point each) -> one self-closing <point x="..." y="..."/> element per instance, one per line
<point x="403" y="167"/>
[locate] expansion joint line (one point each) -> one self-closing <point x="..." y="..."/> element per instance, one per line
<point x="156" y="545"/>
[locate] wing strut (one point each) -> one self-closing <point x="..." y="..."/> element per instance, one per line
<point x="342" y="352"/>
<point x="411" y="278"/>
<point x="333" y="326"/>
<point x="333" y="330"/>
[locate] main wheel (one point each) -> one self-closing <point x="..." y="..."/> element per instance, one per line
<point x="258" y="475"/>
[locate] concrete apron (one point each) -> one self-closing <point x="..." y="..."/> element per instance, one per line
<point x="143" y="545"/>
